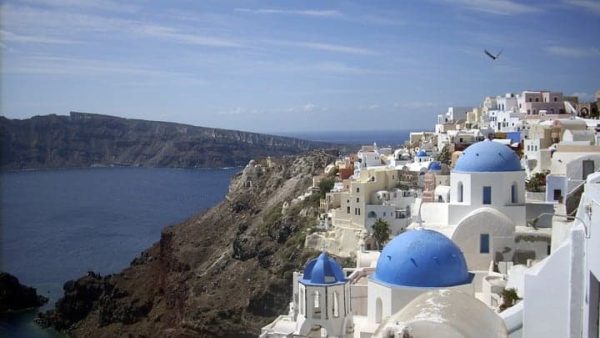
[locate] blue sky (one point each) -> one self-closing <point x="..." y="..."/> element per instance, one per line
<point x="281" y="66"/>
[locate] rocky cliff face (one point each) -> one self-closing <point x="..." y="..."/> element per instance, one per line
<point x="227" y="272"/>
<point x="15" y="297"/>
<point x="83" y="140"/>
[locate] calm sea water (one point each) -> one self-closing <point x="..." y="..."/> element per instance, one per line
<point x="58" y="224"/>
<point x="383" y="138"/>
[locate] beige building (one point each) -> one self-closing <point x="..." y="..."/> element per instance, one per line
<point x="541" y="102"/>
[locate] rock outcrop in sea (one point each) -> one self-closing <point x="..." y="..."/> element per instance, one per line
<point x="226" y="272"/>
<point x="84" y="140"/>
<point x="16" y="297"/>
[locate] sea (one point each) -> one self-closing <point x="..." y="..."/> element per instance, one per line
<point x="56" y="225"/>
<point x="383" y="138"/>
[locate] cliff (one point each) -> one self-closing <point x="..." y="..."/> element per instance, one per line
<point x="16" y="297"/>
<point x="83" y="140"/>
<point x="226" y="272"/>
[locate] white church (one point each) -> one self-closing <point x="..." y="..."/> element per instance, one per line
<point x="486" y="212"/>
<point x="420" y="278"/>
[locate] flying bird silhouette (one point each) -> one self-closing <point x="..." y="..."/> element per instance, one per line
<point x="494" y="57"/>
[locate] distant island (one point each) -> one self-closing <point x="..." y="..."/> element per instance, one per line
<point x="85" y="140"/>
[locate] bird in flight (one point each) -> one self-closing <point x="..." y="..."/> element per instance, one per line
<point x="494" y="57"/>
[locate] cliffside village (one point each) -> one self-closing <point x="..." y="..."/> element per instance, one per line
<point x="490" y="219"/>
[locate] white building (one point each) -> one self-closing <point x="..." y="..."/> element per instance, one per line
<point x="367" y="157"/>
<point x="570" y="166"/>
<point x="541" y="103"/>
<point x="321" y="303"/>
<point x="449" y="120"/>
<point x="416" y="265"/>
<point x="420" y="162"/>
<point x="443" y="313"/>
<point x="486" y="215"/>
<point x="504" y="121"/>
<point x="562" y="293"/>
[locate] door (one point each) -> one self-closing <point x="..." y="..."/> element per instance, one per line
<point x="587" y="168"/>
<point x="558" y="195"/>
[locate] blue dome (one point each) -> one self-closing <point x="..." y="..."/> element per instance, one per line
<point x="421" y="153"/>
<point x="488" y="156"/>
<point x="435" y="166"/>
<point x="323" y="270"/>
<point x="422" y="258"/>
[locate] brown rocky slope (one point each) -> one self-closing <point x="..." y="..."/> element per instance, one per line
<point x="226" y="272"/>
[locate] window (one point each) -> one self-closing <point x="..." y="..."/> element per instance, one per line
<point x="357" y="189"/>
<point x="301" y="301"/>
<point x="487" y="195"/>
<point x="372" y="214"/>
<point x="555" y="99"/>
<point x="316" y="303"/>
<point x="336" y="304"/>
<point x="460" y="192"/>
<point x="359" y="211"/>
<point x="514" y="198"/>
<point x="378" y="310"/>
<point x="357" y="200"/>
<point x="484" y="243"/>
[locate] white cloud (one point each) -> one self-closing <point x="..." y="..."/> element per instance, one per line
<point x="96" y="68"/>
<point x="237" y="111"/>
<point x="26" y="19"/>
<point x="10" y="36"/>
<point x="498" y="7"/>
<point x="341" y="69"/>
<point x="106" y="5"/>
<point x="309" y="107"/>
<point x="372" y="106"/>
<point x="172" y="34"/>
<point x="591" y="5"/>
<point x="310" y="13"/>
<point x="324" y="47"/>
<point x="574" y="52"/>
<point x="583" y="96"/>
<point x="415" y="104"/>
<point x="379" y="20"/>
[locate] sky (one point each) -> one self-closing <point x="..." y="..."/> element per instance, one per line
<point x="290" y="66"/>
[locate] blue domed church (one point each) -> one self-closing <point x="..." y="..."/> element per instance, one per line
<point x="487" y="208"/>
<point x="413" y="263"/>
